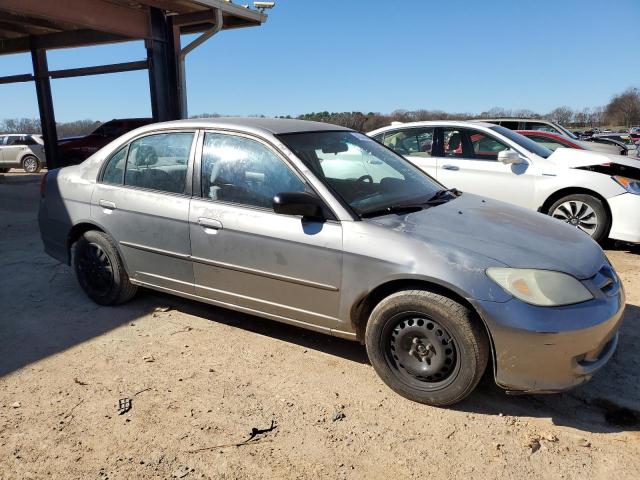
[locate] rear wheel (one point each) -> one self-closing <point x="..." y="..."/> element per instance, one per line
<point x="100" y="270"/>
<point x="31" y="164"/>
<point x="585" y="212"/>
<point x="426" y="347"/>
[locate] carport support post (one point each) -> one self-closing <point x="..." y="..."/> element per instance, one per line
<point x="162" y="57"/>
<point x="45" y="105"/>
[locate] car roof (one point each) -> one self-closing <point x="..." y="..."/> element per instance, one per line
<point x="20" y="134"/>
<point x="274" y="126"/>
<point x="541" y="132"/>
<point x="437" y="123"/>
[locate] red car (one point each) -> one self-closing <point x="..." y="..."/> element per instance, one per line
<point x="551" y="140"/>
<point x="73" y="150"/>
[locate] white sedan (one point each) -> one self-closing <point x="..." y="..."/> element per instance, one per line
<point x="596" y="192"/>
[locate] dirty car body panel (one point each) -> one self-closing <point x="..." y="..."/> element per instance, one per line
<point x="320" y="274"/>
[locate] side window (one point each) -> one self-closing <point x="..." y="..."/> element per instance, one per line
<point x="510" y="124"/>
<point x="29" y="141"/>
<point x="244" y="171"/>
<point x="3" y="140"/>
<point x="159" y="162"/>
<point x="485" y="147"/>
<point x="378" y="137"/>
<point x="453" y="144"/>
<point x="114" y="171"/>
<point x="542" y="127"/>
<point x="416" y="142"/>
<point x="15" y="140"/>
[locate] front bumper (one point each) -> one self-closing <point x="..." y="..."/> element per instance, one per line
<point x="551" y="349"/>
<point x="625" y="221"/>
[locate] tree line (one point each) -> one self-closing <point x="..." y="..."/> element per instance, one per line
<point x="622" y="110"/>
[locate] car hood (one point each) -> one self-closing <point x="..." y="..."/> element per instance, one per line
<point x="599" y="147"/>
<point x="511" y="235"/>
<point x="572" y="158"/>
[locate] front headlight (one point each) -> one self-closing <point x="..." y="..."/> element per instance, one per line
<point x="629" y="184"/>
<point x="544" y="288"/>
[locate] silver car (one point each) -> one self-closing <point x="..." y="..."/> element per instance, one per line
<point x="24" y="151"/>
<point x="322" y="227"/>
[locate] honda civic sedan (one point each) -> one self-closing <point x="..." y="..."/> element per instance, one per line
<point x="321" y="227"/>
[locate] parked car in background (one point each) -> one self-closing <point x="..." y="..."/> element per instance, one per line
<point x="24" y="151"/>
<point x="74" y="150"/>
<point x="623" y="139"/>
<point x="552" y="141"/>
<point x="531" y="124"/>
<point x="244" y="214"/>
<point x="595" y="192"/>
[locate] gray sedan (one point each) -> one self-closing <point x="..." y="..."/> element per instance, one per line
<point x="322" y="227"/>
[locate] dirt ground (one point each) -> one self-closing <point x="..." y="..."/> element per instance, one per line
<point x="201" y="378"/>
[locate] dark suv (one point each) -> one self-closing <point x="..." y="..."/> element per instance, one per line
<point x="73" y="150"/>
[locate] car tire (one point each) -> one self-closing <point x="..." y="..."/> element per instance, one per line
<point x="426" y="347"/>
<point x="585" y="212"/>
<point x="100" y="270"/>
<point x="31" y="164"/>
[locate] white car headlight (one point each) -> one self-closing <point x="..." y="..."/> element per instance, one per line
<point x="544" y="288"/>
<point x="629" y="184"/>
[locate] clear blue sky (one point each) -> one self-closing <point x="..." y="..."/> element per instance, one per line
<point x="375" y="55"/>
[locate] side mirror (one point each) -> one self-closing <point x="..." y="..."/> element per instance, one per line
<point x="303" y="204"/>
<point x="509" y="157"/>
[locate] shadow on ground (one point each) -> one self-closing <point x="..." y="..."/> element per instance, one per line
<point x="609" y="403"/>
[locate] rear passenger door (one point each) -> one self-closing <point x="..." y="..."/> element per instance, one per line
<point x="415" y="144"/>
<point x="142" y="200"/>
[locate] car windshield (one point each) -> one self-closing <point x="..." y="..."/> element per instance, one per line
<point x="364" y="174"/>
<point x="523" y="141"/>
<point x="565" y="131"/>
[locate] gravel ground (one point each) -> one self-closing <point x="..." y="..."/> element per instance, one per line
<point x="201" y="378"/>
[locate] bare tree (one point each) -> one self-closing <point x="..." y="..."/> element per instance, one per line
<point x="624" y="109"/>
<point x="562" y="115"/>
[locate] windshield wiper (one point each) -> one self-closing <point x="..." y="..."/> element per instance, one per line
<point x="441" y="196"/>
<point x="400" y="208"/>
<point x="444" y="195"/>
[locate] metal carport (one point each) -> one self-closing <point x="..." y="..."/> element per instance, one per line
<point x="37" y="26"/>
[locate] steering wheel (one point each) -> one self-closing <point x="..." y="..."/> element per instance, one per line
<point x="367" y="177"/>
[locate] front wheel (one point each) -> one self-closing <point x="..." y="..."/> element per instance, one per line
<point x="426" y="347"/>
<point x="585" y="212"/>
<point x="100" y="270"/>
<point x="31" y="164"/>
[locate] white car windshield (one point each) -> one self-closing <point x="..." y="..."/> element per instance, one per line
<point x="523" y="141"/>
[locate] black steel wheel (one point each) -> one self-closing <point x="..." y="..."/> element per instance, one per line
<point x="427" y="347"/>
<point x="100" y="270"/>
<point x="94" y="270"/>
<point x="422" y="351"/>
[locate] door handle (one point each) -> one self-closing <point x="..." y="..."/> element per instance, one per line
<point x="107" y="204"/>
<point x="210" y="223"/>
<point x="450" y="167"/>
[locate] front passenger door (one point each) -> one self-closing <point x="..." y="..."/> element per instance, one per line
<point x="469" y="162"/>
<point x="248" y="257"/>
